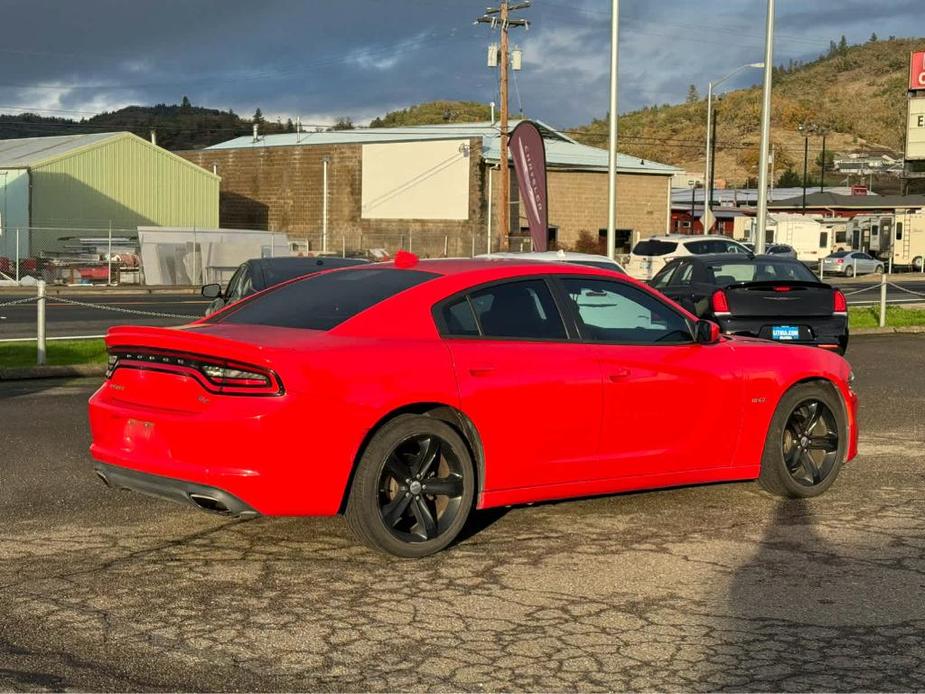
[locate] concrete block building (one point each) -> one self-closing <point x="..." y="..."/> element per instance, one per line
<point x="431" y="188"/>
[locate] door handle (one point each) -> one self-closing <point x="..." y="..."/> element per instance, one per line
<point x="483" y="370"/>
<point x="619" y="374"/>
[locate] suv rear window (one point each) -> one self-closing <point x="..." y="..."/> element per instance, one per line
<point x="323" y="301"/>
<point x="654" y="247"/>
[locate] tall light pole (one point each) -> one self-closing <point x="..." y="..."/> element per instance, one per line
<point x="762" y="217"/>
<point x="612" y="159"/>
<point x="708" y="198"/>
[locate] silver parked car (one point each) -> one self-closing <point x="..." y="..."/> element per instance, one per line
<point x="850" y="263"/>
<point x="781" y="250"/>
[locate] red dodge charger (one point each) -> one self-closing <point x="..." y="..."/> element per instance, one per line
<point x="404" y="395"/>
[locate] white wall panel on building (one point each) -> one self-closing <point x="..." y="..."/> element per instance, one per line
<point x="915" y="134"/>
<point x="416" y="180"/>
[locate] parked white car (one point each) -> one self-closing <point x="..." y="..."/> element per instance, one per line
<point x="589" y="259"/>
<point x="652" y="254"/>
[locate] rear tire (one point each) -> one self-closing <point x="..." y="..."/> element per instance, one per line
<point x="917" y="263"/>
<point x="806" y="442"/>
<point x="389" y="507"/>
<point x="878" y="270"/>
<point x="849" y="271"/>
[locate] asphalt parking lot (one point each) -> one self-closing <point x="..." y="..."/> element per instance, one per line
<point x="705" y="588"/>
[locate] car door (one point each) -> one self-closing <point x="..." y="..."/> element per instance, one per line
<point x="670" y="404"/>
<point x="533" y="393"/>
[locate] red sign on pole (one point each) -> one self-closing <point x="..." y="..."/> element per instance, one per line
<point x="917" y="71"/>
<point x="529" y="153"/>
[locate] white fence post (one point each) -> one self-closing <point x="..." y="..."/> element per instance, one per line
<point x="40" y="357"/>
<point x="109" y="257"/>
<point x="17" y="255"/>
<point x="882" y="300"/>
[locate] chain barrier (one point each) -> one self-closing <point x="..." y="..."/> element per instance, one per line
<point x="904" y="289"/>
<point x="19" y="301"/>
<point x="131" y="311"/>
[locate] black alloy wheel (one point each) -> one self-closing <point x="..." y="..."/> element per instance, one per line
<point x="413" y="488"/>
<point x="420" y="488"/>
<point x="806" y="443"/>
<point x="810" y="443"/>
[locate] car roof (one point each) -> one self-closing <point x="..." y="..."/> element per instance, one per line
<point x="308" y="261"/>
<point x="729" y="257"/>
<point x="687" y="237"/>
<point x="552" y="256"/>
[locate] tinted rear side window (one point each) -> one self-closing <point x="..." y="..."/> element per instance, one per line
<point x="322" y="302"/>
<point x="524" y="310"/>
<point x="653" y="247"/>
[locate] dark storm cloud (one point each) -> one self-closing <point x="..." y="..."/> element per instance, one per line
<point x="322" y="59"/>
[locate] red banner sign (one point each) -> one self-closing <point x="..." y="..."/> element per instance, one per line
<point x="917" y="71"/>
<point x="529" y="153"/>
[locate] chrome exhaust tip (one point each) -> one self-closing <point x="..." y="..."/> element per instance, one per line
<point x="209" y="503"/>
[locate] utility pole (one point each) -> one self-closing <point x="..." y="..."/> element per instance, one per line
<point x="501" y="17"/>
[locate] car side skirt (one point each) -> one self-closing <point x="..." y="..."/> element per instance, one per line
<point x="525" y="495"/>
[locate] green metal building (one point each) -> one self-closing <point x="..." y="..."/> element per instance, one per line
<point x="56" y="188"/>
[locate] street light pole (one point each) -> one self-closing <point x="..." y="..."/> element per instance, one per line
<point x="612" y="157"/>
<point x="805" y="165"/>
<point x="762" y="217"/>
<point x="711" y="135"/>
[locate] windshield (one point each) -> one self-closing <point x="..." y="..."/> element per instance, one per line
<point x="602" y="264"/>
<point x="654" y="247"/>
<point x="758" y="270"/>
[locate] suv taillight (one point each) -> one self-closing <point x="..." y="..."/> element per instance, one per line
<point x="720" y="303"/>
<point x="839" y="302"/>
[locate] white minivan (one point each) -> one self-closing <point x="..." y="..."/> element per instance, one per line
<point x="652" y="254"/>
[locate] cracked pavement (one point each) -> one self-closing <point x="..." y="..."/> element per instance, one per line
<point x="717" y="587"/>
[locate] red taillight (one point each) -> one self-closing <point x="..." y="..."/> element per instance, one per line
<point x="839" y="302"/>
<point x="839" y="261"/>
<point x="781" y="289"/>
<point x="215" y="375"/>
<point x="720" y="303"/>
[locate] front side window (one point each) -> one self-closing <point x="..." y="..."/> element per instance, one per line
<point x="618" y="313"/>
<point x="523" y="310"/>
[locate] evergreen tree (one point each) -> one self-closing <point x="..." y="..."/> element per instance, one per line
<point x="843" y="45"/>
<point x="258" y="116"/>
<point x="693" y="96"/>
<point x="290" y="126"/>
<point x="185" y="103"/>
<point x="873" y="37"/>
<point x="789" y="179"/>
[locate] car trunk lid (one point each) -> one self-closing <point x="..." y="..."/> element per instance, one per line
<point x="780" y="299"/>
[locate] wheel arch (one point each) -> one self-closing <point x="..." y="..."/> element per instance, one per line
<point x="828" y="383"/>
<point x="443" y="412"/>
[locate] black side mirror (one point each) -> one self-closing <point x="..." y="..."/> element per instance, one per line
<point x="212" y="291"/>
<point x="706" y="332"/>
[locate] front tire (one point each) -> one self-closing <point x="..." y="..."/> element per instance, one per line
<point x="878" y="270"/>
<point x="806" y="443"/>
<point x="849" y="271"/>
<point x="413" y="489"/>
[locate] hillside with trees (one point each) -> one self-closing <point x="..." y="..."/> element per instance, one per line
<point x="178" y="126"/>
<point x="856" y="93"/>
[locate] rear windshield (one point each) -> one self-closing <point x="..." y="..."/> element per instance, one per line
<point x="324" y="301"/>
<point x="839" y="254"/>
<point x="653" y="247"/>
<point x="759" y="270"/>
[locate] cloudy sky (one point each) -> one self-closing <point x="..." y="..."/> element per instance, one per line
<point x="321" y="59"/>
